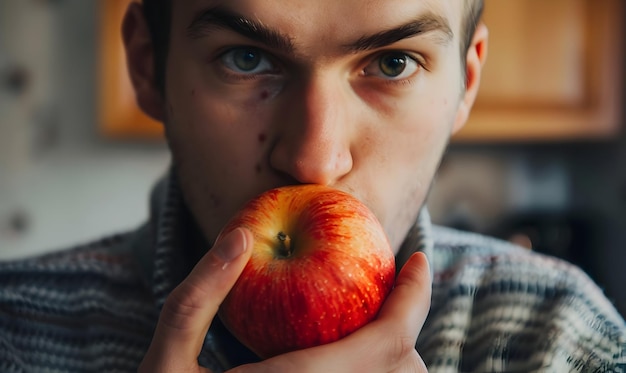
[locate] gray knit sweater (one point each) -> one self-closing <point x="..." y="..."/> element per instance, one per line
<point x="495" y="307"/>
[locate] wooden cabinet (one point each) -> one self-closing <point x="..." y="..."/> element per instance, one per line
<point x="554" y="72"/>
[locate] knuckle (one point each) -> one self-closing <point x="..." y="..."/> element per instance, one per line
<point x="405" y="346"/>
<point x="181" y="307"/>
<point x="402" y="347"/>
<point x="413" y="364"/>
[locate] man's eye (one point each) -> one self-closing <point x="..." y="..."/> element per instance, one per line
<point x="392" y="66"/>
<point x="246" y="60"/>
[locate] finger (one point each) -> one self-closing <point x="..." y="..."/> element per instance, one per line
<point x="383" y="345"/>
<point x="389" y="341"/>
<point x="190" y="308"/>
<point x="404" y="313"/>
<point x="410" y="298"/>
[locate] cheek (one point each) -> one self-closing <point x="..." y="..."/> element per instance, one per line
<point x="418" y="132"/>
<point x="403" y="158"/>
<point x="217" y="149"/>
<point x="207" y="123"/>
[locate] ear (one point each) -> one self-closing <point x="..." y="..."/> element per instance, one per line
<point x="140" y="62"/>
<point x="476" y="56"/>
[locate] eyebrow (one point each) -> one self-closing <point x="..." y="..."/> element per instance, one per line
<point x="220" y="18"/>
<point x="424" y="24"/>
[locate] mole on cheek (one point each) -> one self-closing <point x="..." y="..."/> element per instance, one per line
<point x="262" y="138"/>
<point x="264" y="95"/>
<point x="258" y="168"/>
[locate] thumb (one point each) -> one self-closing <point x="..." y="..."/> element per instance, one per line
<point x="190" y="308"/>
<point x="411" y="294"/>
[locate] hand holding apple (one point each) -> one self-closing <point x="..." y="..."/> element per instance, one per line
<point x="321" y="267"/>
<point x="384" y="345"/>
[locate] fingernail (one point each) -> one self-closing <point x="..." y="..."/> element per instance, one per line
<point x="231" y="246"/>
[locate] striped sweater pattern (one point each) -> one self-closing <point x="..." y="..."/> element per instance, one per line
<point x="495" y="307"/>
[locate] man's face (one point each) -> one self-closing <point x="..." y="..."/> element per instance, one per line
<point x="358" y="95"/>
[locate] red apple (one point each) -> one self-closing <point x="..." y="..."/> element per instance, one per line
<point x="321" y="268"/>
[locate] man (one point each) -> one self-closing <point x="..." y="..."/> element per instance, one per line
<point x="360" y="96"/>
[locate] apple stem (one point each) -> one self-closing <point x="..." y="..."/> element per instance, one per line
<point x="285" y="244"/>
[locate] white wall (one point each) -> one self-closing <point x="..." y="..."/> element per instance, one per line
<point x="60" y="183"/>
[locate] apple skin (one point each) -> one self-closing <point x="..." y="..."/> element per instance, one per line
<point x="321" y="268"/>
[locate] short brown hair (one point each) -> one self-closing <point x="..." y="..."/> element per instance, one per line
<point x="158" y="15"/>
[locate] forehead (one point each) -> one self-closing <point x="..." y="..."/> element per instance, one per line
<point x="325" y="19"/>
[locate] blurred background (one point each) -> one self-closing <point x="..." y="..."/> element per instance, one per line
<point x="542" y="161"/>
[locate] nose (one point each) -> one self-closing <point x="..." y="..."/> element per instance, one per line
<point x="314" y="140"/>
